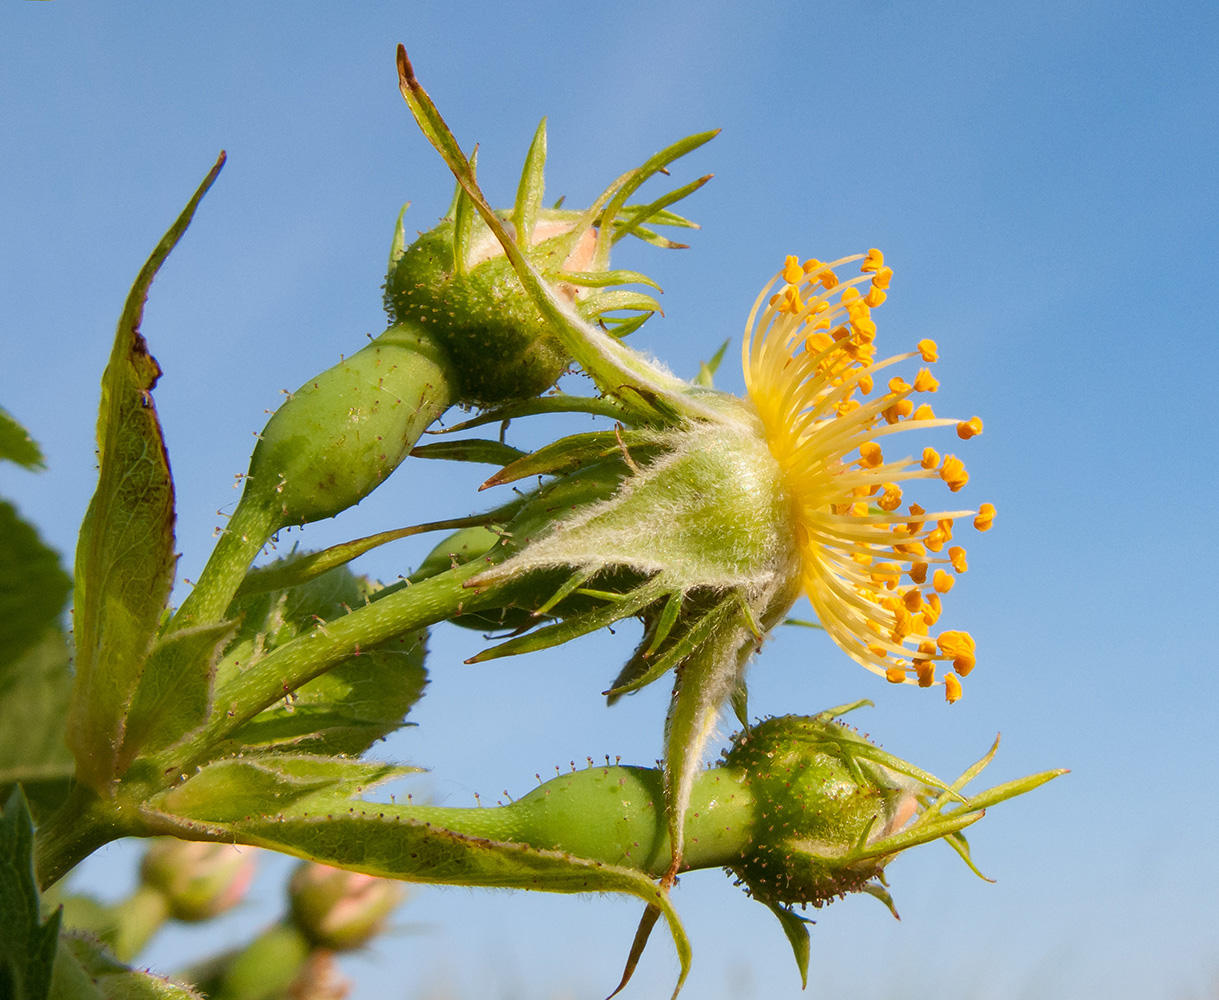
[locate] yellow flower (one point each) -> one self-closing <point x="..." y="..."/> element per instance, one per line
<point x="810" y="373"/>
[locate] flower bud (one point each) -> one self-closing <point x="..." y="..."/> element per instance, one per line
<point x="341" y="910"/>
<point x="821" y="797"/>
<point x="198" y="880"/>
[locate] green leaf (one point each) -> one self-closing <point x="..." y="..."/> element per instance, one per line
<point x="33" y="588"/>
<point x="707" y="369"/>
<point x="348" y="708"/>
<point x="33" y="713"/>
<point x="125" y="557"/>
<point x="253" y="789"/>
<point x="16" y="445"/>
<point x="796" y="929"/>
<point x="27" y="946"/>
<point x="86" y="971"/>
<point x="568" y="454"/>
<point x="175" y="691"/>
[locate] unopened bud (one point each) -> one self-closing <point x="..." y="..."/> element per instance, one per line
<point x="341" y="910"/>
<point x="199" y="881"/>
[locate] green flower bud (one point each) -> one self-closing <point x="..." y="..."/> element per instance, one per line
<point x="341" y="910"/>
<point x="199" y="881"/>
<point x="821" y="796"/>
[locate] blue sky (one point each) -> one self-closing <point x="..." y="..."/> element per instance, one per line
<point x="1042" y="178"/>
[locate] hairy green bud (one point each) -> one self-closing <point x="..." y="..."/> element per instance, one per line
<point x="199" y="881"/>
<point x="341" y="910"/>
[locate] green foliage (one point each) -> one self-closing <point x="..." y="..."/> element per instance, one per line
<point x="16" y="445"/>
<point x="27" y="947"/>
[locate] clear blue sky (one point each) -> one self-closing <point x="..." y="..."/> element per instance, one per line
<point x="1042" y="177"/>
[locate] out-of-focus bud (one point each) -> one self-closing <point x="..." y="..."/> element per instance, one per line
<point x="199" y="881"/>
<point x="341" y="910"/>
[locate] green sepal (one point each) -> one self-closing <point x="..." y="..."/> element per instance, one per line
<point x="568" y="454"/>
<point x="470" y="450"/>
<point x="574" y="625"/>
<point x="16" y="445"/>
<point x="299" y="569"/>
<point x="603" y="279"/>
<point x="614" y="301"/>
<point x="637" y="215"/>
<point x="28" y="945"/>
<point x="796" y="929"/>
<point x="707" y="369"/>
<point x="464" y="216"/>
<point x="532" y="187"/>
<point x="557" y="402"/>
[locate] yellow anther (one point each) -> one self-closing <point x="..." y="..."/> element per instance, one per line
<point x="815" y="343"/>
<point x="945" y="526"/>
<point x="895" y="675"/>
<point x="882" y="277"/>
<point x="840" y="508"/>
<point x="959" y="646"/>
<point x="902" y="408"/>
<point x="909" y="548"/>
<point x="952" y="688"/>
<point x="915" y="523"/>
<point x="953" y="473"/>
<point x="864" y="491"/>
<point x="859" y="509"/>
<point x="886" y="573"/>
<point x="875" y="297"/>
<point x="775" y="299"/>
<point x="791" y="301"/>
<point x="903" y="625"/>
<point x="865" y="384"/>
<point x="828" y="278"/>
<point x="986" y="517"/>
<point x="929" y="350"/>
<point x="840" y="333"/>
<point x="892" y="498"/>
<point x="918" y="572"/>
<point x="924" y="381"/>
<point x="927" y="647"/>
<point x="925" y="670"/>
<point x="898" y="385"/>
<point x="849" y="295"/>
<point x="846" y="406"/>
<point x="969" y="428"/>
<point x="870" y="455"/>
<point x="873" y="260"/>
<point x="878" y="651"/>
<point x="864" y="327"/>
<point x="942" y="582"/>
<point x="924" y="412"/>
<point x="862" y="558"/>
<point x="933" y="607"/>
<point x="792" y="272"/>
<point x="913" y="599"/>
<point x="935" y="540"/>
<point x="811" y="265"/>
<point x="931" y="458"/>
<point x="956" y="555"/>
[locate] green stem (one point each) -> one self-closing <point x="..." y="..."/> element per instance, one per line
<point x="289" y="666"/>
<point x="79" y="827"/>
<point x="242" y="539"/>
